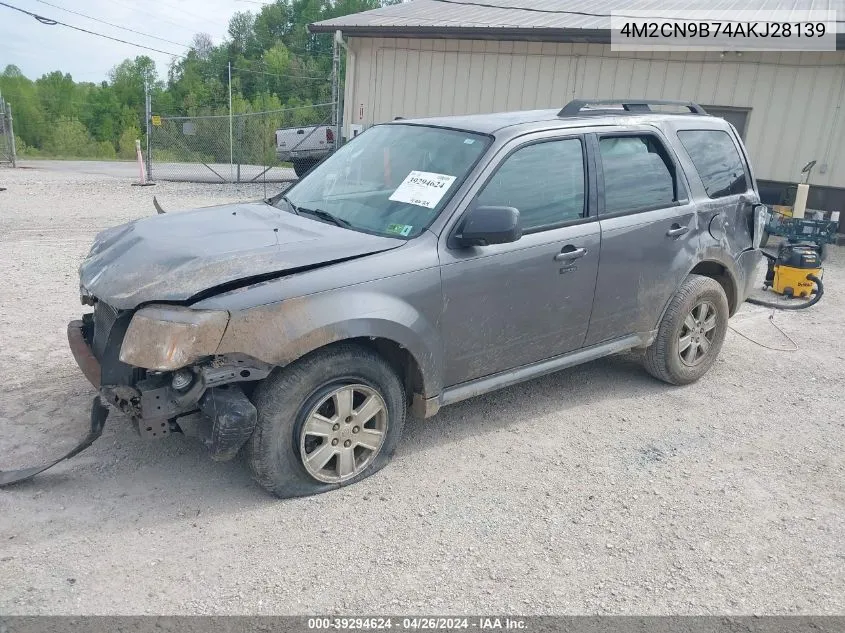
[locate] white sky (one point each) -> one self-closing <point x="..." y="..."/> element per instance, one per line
<point x="38" y="49"/>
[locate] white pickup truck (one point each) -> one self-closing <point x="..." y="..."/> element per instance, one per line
<point x="304" y="146"/>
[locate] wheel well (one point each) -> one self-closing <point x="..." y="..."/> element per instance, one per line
<point x="400" y="359"/>
<point x="719" y="273"/>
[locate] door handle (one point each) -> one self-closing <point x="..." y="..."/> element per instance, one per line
<point x="569" y="252"/>
<point x="676" y="230"/>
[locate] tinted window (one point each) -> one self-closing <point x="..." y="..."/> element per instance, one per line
<point x="545" y="181"/>
<point x="637" y="174"/>
<point x="718" y="163"/>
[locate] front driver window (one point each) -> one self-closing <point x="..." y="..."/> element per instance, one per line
<point x="545" y="181"/>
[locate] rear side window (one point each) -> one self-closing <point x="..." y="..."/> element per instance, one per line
<point x="545" y="181"/>
<point x="638" y="174"/>
<point x="717" y="161"/>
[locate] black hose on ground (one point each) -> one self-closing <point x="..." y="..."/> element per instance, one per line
<point x="794" y="306"/>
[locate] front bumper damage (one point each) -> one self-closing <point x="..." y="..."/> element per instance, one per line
<point x="210" y="403"/>
<point x="99" y="413"/>
<point x="204" y="400"/>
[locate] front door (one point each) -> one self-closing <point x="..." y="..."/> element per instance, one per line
<point x="509" y="305"/>
<point x="650" y="233"/>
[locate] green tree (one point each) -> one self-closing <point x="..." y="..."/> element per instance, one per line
<point x="273" y="59"/>
<point x="129" y="78"/>
<point x="22" y="94"/>
<point x="242" y="32"/>
<point x="126" y="143"/>
<point x="57" y="94"/>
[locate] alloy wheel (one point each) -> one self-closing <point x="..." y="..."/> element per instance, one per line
<point x="697" y="333"/>
<point x="343" y="433"/>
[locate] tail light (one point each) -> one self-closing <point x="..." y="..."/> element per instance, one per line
<point x="329" y="135"/>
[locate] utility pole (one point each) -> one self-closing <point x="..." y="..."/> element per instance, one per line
<point x="231" y="135"/>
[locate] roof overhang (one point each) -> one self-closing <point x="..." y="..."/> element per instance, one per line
<point x="591" y="36"/>
<point x="529" y="34"/>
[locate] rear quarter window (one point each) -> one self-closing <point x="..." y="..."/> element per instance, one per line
<point x="716" y="160"/>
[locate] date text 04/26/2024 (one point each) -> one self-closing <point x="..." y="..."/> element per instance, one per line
<point x="491" y="623"/>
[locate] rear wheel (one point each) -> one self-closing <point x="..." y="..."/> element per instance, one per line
<point x="302" y="167"/>
<point x="691" y="332"/>
<point x="326" y="421"/>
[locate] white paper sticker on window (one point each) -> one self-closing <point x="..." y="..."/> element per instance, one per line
<point x="423" y="188"/>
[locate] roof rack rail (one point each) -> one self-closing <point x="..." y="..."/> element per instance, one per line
<point x="575" y="106"/>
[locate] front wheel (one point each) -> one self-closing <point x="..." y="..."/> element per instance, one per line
<point x="328" y="420"/>
<point x="691" y="332"/>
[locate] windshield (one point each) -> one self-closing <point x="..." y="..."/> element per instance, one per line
<point x="391" y="180"/>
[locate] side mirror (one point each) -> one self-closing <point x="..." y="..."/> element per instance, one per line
<point x="484" y="226"/>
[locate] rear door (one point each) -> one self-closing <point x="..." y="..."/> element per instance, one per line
<point x="728" y="186"/>
<point x="508" y="305"/>
<point x="649" y="231"/>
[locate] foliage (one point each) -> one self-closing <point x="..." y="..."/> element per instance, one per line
<point x="275" y="63"/>
<point x="126" y="142"/>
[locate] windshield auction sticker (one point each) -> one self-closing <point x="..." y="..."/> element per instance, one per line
<point x="423" y="188"/>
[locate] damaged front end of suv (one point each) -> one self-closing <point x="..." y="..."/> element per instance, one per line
<point x="158" y="366"/>
<point x="149" y="347"/>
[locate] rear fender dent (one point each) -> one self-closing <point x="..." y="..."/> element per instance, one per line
<point x="727" y="268"/>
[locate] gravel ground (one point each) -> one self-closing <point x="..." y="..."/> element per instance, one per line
<point x="594" y="490"/>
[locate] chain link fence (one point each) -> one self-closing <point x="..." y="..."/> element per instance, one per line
<point x="223" y="148"/>
<point x="7" y="134"/>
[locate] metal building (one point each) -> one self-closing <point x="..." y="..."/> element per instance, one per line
<point x="439" y="57"/>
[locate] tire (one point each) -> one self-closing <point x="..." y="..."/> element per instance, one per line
<point x="302" y="167"/>
<point x="285" y="401"/>
<point x="663" y="358"/>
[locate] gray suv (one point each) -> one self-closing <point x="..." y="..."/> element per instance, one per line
<point x="425" y="262"/>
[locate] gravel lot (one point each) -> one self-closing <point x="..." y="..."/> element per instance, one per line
<point x="595" y="490"/>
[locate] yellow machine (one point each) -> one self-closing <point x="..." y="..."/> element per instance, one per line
<point x="794" y="271"/>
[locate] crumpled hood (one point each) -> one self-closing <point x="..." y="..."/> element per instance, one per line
<point x="174" y="257"/>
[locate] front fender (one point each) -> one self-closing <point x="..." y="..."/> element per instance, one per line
<point x="279" y="333"/>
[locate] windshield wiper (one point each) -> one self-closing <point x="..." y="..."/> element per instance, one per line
<point x="290" y="204"/>
<point x="325" y="215"/>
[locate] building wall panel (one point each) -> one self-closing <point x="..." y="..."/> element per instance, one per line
<point x="796" y="99"/>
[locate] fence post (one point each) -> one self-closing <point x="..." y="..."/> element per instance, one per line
<point x="148" y="106"/>
<point x="11" y="135"/>
<point x="241" y="122"/>
<point x="337" y="115"/>
<point x="231" y="144"/>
